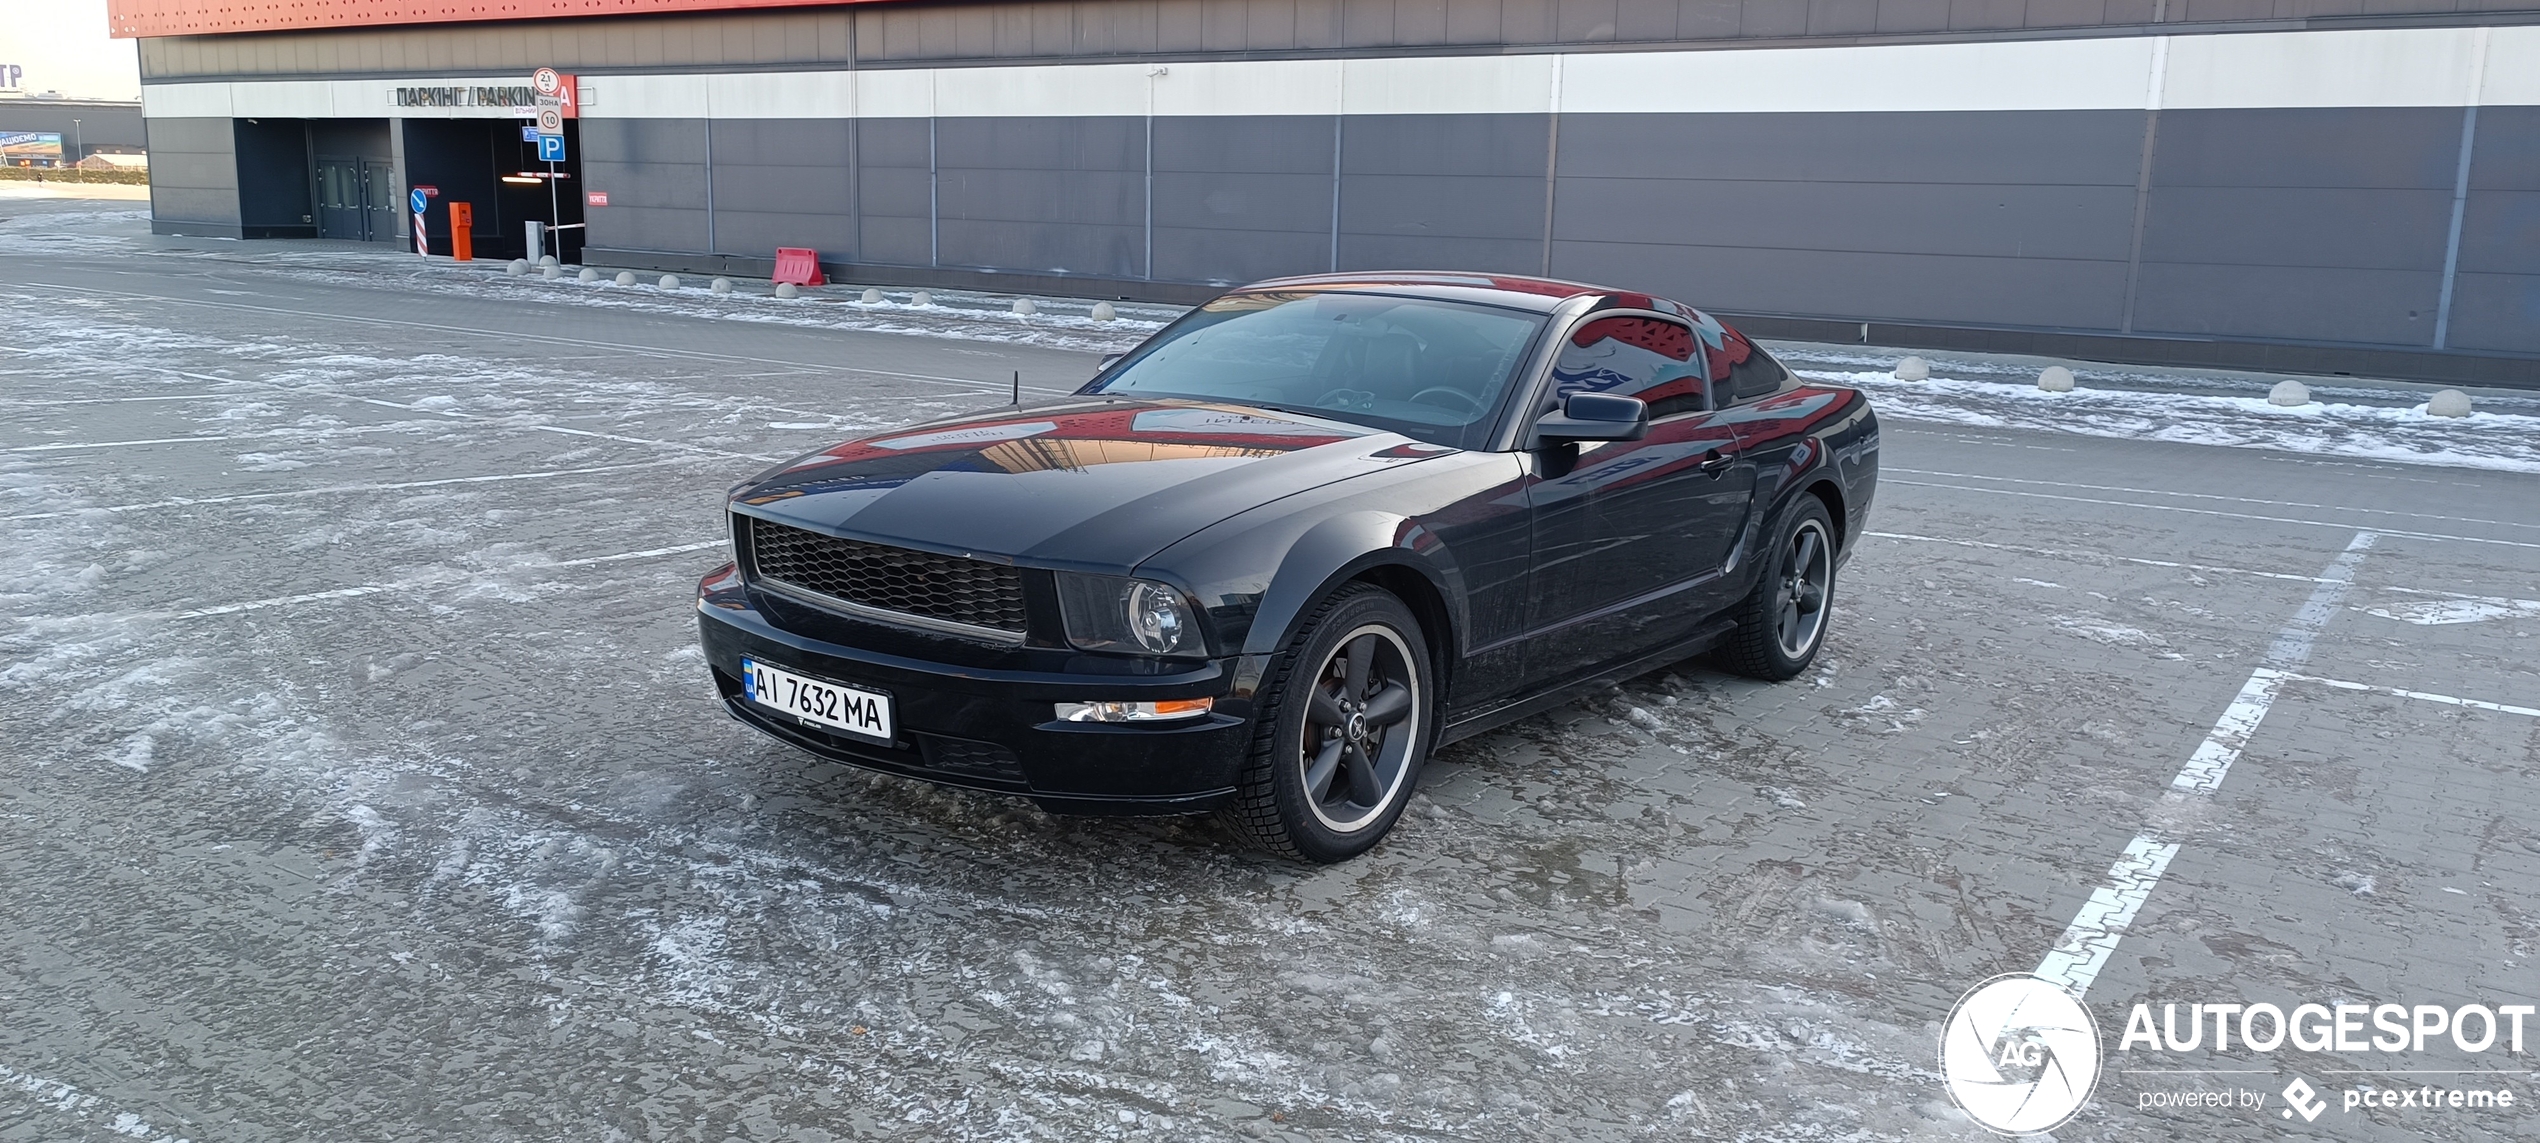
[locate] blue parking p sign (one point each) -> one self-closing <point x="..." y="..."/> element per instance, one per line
<point x="551" y="148"/>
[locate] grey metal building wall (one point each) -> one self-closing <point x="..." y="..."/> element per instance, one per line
<point x="1018" y="30"/>
<point x="97" y="125"/>
<point x="194" y="172"/>
<point x="2316" y="238"/>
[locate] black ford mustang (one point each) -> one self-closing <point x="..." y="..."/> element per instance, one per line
<point x="1270" y="559"/>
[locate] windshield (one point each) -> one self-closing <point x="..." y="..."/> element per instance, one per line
<point x="1430" y="370"/>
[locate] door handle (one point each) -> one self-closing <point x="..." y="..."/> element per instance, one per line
<point x="1716" y="462"/>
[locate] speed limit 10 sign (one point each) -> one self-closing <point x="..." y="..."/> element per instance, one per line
<point x="551" y="120"/>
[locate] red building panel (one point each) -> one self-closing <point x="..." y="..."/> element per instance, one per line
<point x="133" y="18"/>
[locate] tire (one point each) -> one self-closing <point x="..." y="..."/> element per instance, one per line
<point x="1782" y="623"/>
<point x="1332" y="768"/>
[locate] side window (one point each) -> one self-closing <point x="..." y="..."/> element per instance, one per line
<point x="1742" y="372"/>
<point x="1645" y="357"/>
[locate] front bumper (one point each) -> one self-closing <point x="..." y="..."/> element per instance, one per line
<point x="990" y="729"/>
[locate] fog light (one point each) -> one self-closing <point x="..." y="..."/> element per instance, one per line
<point x="1165" y="711"/>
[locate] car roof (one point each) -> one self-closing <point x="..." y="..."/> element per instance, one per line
<point x="1516" y="291"/>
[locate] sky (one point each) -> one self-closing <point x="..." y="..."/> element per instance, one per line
<point x="62" y="46"/>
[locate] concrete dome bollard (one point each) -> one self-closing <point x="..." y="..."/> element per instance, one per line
<point x="669" y="282"/>
<point x="1023" y="307"/>
<point x="626" y="277"/>
<point x="551" y="273"/>
<point x="518" y="268"/>
<point x="587" y="275"/>
<point x="2055" y="379"/>
<point x="872" y="296"/>
<point x="1104" y="312"/>
<point x="786" y="290"/>
<point x="2289" y="394"/>
<point x="722" y="285"/>
<point x="545" y="260"/>
<point x="2448" y="403"/>
<point x="921" y="298"/>
<point x="1913" y="369"/>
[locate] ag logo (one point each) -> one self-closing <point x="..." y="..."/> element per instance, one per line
<point x="2020" y="1055"/>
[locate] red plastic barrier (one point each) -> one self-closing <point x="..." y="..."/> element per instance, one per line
<point x="797" y="264"/>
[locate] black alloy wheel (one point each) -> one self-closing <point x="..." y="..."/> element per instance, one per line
<point x="1783" y="621"/>
<point x="1343" y="727"/>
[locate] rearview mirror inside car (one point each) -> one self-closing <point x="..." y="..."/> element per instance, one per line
<point x="1595" y="417"/>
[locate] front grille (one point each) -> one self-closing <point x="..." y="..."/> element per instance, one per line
<point x="945" y="589"/>
<point x="963" y="758"/>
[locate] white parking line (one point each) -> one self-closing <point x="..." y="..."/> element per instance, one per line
<point x="585" y="343"/>
<point x="434" y="580"/>
<point x="2208" y="496"/>
<point x="309" y="434"/>
<point x="2073" y="553"/>
<point x="338" y="490"/>
<point x="2084" y="555"/>
<point x="124" y="400"/>
<point x="2092" y="938"/>
<point x="2339" y="525"/>
<point x="2426" y="696"/>
<point x="2076" y="958"/>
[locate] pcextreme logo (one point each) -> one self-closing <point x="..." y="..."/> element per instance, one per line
<point x="2019" y="1054"/>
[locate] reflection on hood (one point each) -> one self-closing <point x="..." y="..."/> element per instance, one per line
<point x="1072" y="438"/>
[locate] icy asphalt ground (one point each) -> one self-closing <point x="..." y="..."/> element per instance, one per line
<point x="361" y="781"/>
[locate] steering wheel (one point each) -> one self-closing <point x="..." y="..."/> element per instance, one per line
<point x="1472" y="404"/>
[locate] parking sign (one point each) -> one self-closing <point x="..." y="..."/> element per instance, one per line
<point x="551" y="148"/>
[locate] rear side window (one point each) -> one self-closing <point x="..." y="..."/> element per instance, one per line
<point x="1645" y="357"/>
<point x="1742" y="372"/>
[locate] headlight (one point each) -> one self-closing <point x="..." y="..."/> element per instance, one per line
<point x="1113" y="613"/>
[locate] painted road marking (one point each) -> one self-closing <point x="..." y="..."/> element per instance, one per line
<point x="2092" y="938"/>
<point x="2209" y="496"/>
<point x="305" y="434"/>
<point x="2076" y="958"/>
<point x="127" y="400"/>
<point x="2073" y="553"/>
<point x="436" y="579"/>
<point x="2341" y="526"/>
<point x="2085" y="555"/>
<point x="582" y="343"/>
<point x="337" y="489"/>
<point x="2426" y="696"/>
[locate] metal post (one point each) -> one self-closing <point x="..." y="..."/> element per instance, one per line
<point x="79" y="144"/>
<point x="555" y="213"/>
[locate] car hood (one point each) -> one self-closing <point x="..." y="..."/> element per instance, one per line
<point x="1088" y="483"/>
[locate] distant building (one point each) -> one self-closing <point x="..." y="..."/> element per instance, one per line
<point x="108" y="161"/>
<point x="2271" y="184"/>
<point x="85" y="127"/>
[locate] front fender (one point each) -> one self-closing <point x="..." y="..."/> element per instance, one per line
<point x="1445" y="521"/>
<point x="1336" y="550"/>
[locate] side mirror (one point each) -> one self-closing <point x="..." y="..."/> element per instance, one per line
<point x="1596" y="417"/>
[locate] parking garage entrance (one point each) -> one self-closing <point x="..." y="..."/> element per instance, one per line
<point x="493" y="166"/>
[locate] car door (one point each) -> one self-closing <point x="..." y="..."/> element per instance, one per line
<point x="1630" y="536"/>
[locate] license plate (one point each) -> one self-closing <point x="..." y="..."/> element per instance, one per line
<point x="851" y="709"/>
